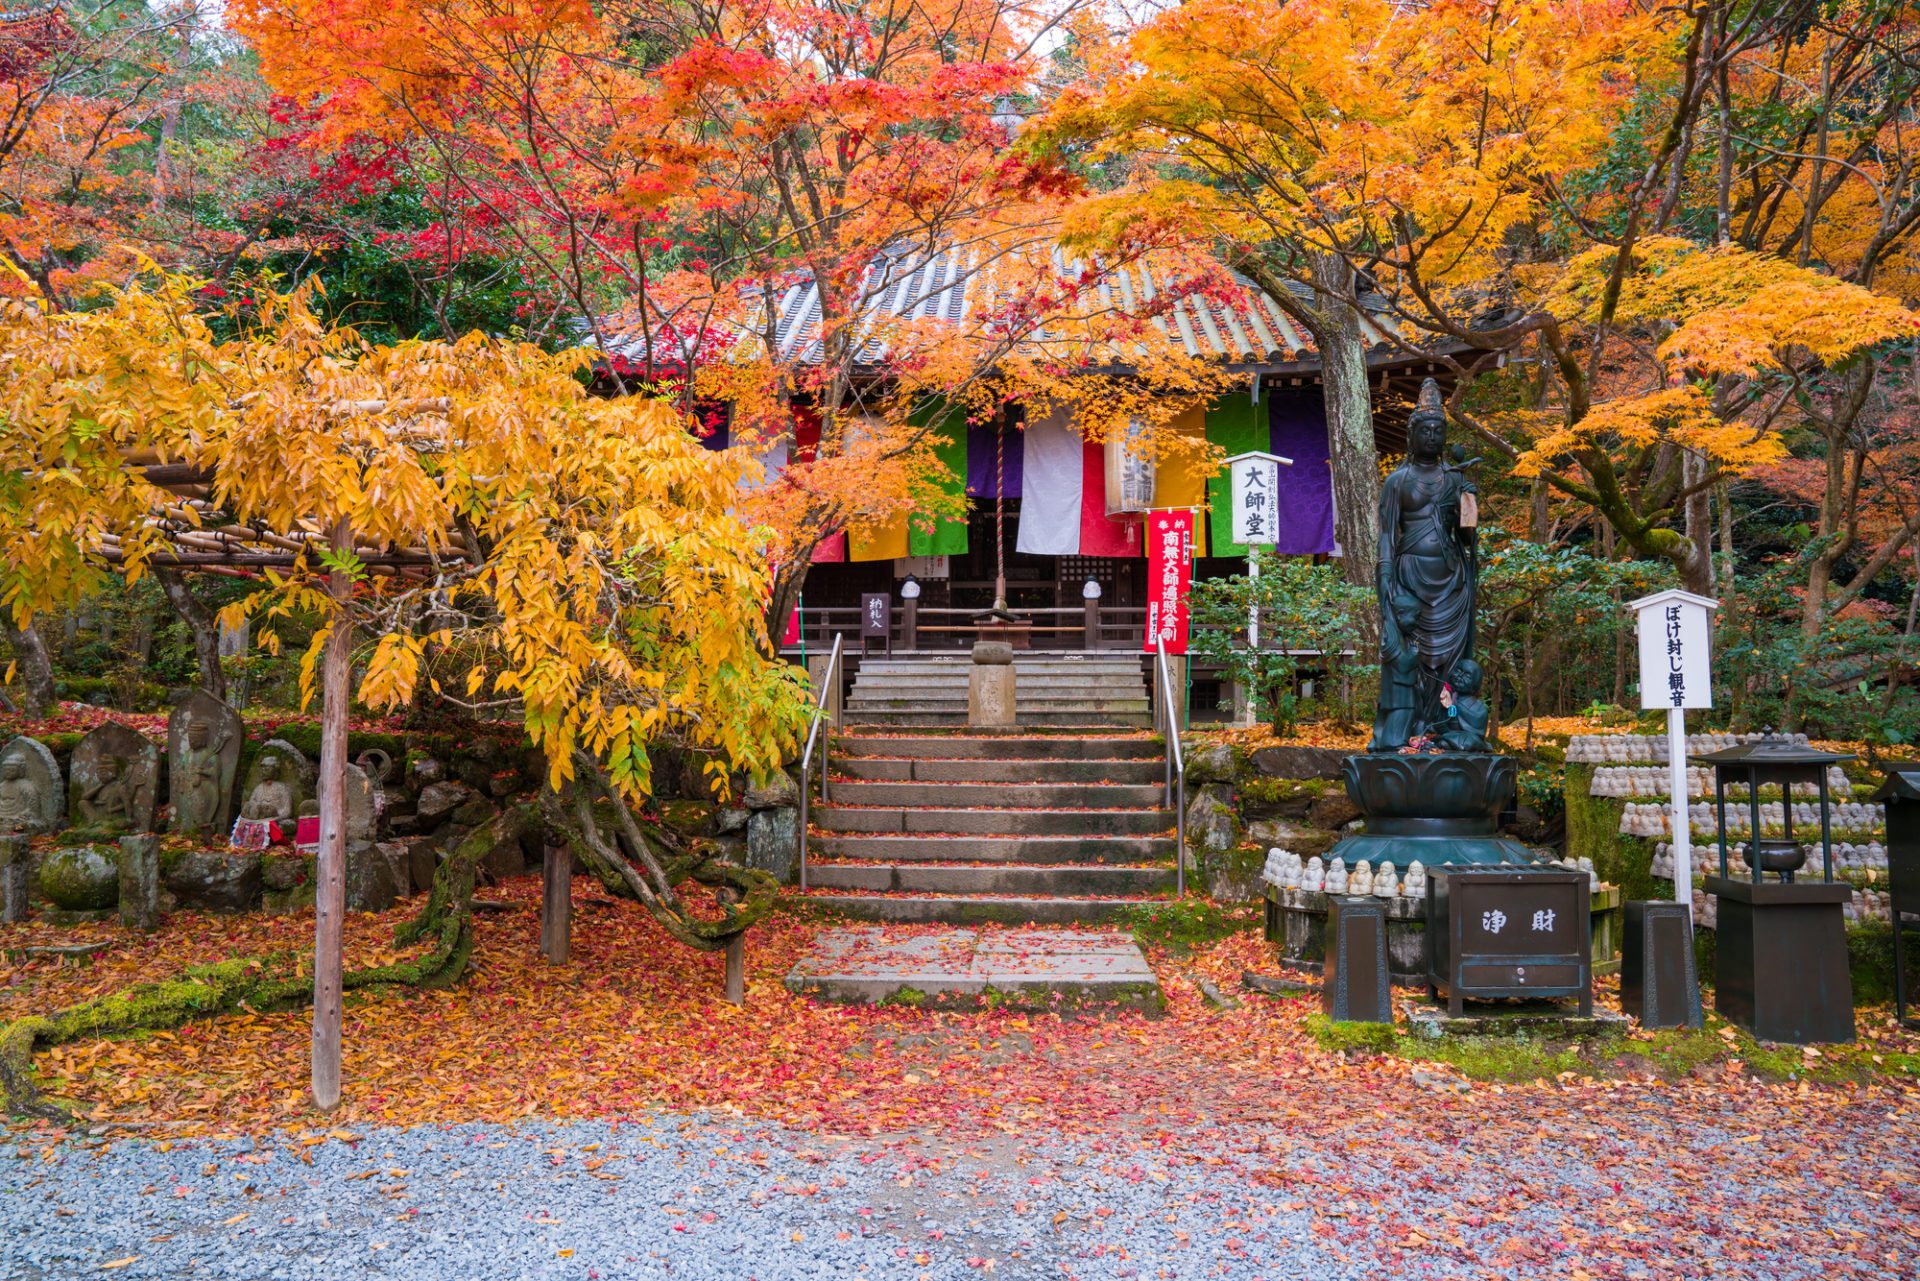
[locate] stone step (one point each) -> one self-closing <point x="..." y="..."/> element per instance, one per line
<point x="995" y="822"/>
<point x="1044" y="881"/>
<point x="904" y="702"/>
<point x="1046" y="796"/>
<point x="899" y="848"/>
<point x="953" y="910"/>
<point x="945" y="671"/>
<point x="1052" y="970"/>
<point x="1016" y="746"/>
<point x="1025" y="686"/>
<point x="957" y="719"/>
<point x="901" y="769"/>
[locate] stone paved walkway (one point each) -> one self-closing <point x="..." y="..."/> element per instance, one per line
<point x="1024" y="967"/>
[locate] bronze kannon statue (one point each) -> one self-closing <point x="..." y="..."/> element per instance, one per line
<point x="1428" y="583"/>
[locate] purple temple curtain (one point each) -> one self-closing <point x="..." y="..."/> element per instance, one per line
<point x="1298" y="429"/>
<point x="980" y="460"/>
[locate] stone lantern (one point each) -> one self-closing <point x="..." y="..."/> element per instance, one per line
<point x="1780" y="964"/>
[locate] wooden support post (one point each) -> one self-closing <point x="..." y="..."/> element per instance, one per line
<point x="737" y="970"/>
<point x="1093" y="622"/>
<point x="330" y="880"/>
<point x="910" y="623"/>
<point x="736" y="956"/>
<point x="556" y="905"/>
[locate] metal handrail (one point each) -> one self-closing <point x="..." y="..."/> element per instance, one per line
<point x="1176" y="766"/>
<point x="829" y="682"/>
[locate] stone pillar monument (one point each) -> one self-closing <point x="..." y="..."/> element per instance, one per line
<point x="990" y="685"/>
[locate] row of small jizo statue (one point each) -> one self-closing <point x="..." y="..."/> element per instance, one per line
<point x="113" y="780"/>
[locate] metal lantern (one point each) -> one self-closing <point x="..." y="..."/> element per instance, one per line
<point x="1780" y="955"/>
<point x="1774" y="760"/>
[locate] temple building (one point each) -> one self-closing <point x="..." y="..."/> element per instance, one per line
<point x="1070" y="509"/>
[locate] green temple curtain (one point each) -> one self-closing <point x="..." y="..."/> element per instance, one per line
<point x="947" y="535"/>
<point x="1237" y="425"/>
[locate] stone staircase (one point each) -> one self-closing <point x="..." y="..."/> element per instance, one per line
<point x="1020" y="827"/>
<point x="1049" y="690"/>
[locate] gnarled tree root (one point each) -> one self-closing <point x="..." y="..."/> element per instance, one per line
<point x="648" y="863"/>
<point x="273" y="982"/>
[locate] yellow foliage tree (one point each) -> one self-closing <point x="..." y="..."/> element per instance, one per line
<point x="576" y="559"/>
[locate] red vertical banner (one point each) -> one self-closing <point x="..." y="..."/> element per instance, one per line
<point x="1169" y="577"/>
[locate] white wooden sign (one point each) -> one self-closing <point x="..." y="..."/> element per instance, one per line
<point x="1675" y="650"/>
<point x="1255" y="479"/>
<point x="1676" y="673"/>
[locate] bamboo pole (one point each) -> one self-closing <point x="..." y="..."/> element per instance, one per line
<point x="330" y="867"/>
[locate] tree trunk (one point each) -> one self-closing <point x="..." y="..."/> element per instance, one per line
<point x="1696" y="572"/>
<point x="329" y="870"/>
<point x="36" y="665"/>
<point x="1833" y="505"/>
<point x="205" y="628"/>
<point x="1349" y="399"/>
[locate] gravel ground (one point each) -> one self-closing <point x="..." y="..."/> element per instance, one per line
<point x="708" y="1198"/>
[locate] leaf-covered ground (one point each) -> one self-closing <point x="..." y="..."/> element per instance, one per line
<point x="1630" y="1161"/>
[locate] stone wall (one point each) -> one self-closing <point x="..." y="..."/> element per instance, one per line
<point x="1242" y="804"/>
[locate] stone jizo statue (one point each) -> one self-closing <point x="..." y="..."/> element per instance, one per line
<point x="111" y="780"/>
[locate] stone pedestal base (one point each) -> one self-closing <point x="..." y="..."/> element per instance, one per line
<point x="13" y="879"/>
<point x="1355" y="987"/>
<point x="1780" y="960"/>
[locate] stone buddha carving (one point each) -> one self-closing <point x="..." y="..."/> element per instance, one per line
<point x="196" y="795"/>
<point x="22" y="808"/>
<point x="109" y="801"/>
<point x="271" y="799"/>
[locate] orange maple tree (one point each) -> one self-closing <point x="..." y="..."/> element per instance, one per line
<point x="676" y="173"/>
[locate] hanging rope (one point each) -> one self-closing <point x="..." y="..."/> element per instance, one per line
<point x="1000" y="516"/>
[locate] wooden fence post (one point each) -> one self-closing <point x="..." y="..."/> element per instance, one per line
<point x="330" y="881"/>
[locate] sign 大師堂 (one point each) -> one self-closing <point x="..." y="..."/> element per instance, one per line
<point x="1169" y="578"/>
<point x="1255" y="480"/>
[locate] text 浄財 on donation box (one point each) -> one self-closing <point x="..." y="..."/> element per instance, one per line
<point x="1511" y="934"/>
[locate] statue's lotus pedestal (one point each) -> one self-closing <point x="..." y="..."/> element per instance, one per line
<point x="1432" y="808"/>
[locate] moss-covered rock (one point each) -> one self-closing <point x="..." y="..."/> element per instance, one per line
<point x="82" y="878"/>
<point x="1213" y="763"/>
<point x="1593" y="831"/>
<point x="1262" y="797"/>
<point x="1233" y="876"/>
